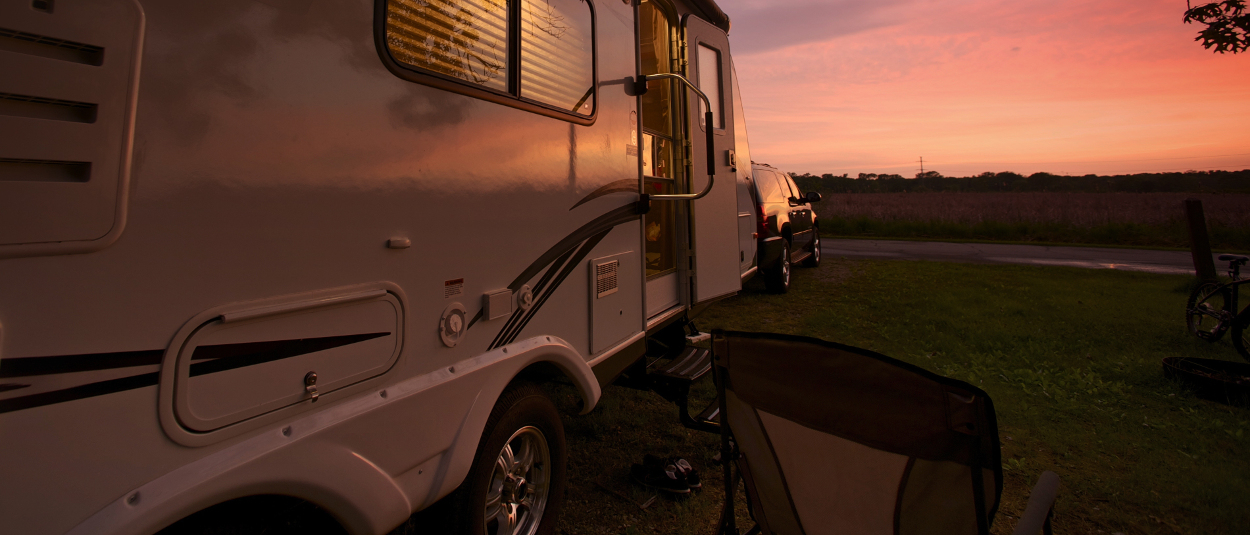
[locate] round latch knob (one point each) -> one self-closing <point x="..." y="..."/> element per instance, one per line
<point x="525" y="297"/>
<point x="452" y="324"/>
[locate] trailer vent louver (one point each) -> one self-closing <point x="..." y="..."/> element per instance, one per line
<point x="605" y="278"/>
<point x="13" y="169"/>
<point x="47" y="108"/>
<point x="50" y="47"/>
<point x="69" y="74"/>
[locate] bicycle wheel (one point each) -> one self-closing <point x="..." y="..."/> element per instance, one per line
<point x="1241" y="337"/>
<point x="1206" y="311"/>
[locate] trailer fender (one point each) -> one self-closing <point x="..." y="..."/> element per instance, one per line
<point x="363" y="498"/>
<point x="312" y="457"/>
<point x="497" y="369"/>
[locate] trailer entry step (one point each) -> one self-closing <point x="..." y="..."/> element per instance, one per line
<point x="691" y="364"/>
<point x="672" y="378"/>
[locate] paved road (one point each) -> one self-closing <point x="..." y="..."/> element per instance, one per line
<point x="1170" y="262"/>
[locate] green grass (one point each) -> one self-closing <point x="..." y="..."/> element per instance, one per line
<point x="1176" y="236"/>
<point x="1070" y="356"/>
<point x="1008" y="242"/>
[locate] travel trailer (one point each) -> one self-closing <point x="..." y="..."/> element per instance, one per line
<point x="324" y="249"/>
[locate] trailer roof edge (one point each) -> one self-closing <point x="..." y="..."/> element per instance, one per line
<point x="715" y="15"/>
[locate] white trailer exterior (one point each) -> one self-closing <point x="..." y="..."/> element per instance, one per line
<point x="244" y="250"/>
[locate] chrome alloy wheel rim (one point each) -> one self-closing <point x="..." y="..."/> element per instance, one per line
<point x="816" y="248"/>
<point x="519" y="485"/>
<point x="785" y="269"/>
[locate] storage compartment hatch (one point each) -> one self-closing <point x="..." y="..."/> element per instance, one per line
<point x="230" y="370"/>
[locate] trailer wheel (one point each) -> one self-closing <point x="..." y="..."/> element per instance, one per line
<point x="778" y="278"/>
<point x="516" y="485"/>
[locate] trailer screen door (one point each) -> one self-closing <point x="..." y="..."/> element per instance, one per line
<point x="715" y="217"/>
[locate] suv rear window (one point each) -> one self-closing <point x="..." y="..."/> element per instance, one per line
<point x="770" y="189"/>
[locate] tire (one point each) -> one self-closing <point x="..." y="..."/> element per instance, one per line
<point x="778" y="279"/>
<point x="1203" y="316"/>
<point x="504" y="493"/>
<point x="813" y="257"/>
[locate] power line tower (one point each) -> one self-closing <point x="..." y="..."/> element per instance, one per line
<point x="922" y="165"/>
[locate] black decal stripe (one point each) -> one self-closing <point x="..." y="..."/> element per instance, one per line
<point x="214" y="358"/>
<point x="599" y="224"/>
<point x="628" y="185"/>
<point x="28" y="366"/>
<point x="518" y="314"/>
<point x="79" y="392"/>
<point x="563" y="248"/>
<point x="568" y="268"/>
<point x="231" y="356"/>
<point x="476" y="318"/>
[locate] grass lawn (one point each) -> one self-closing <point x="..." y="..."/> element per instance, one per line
<point x="1174" y="235"/>
<point x="1070" y="356"/>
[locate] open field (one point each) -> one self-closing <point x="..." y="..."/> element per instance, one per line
<point x="1070" y="356"/>
<point x="1142" y="219"/>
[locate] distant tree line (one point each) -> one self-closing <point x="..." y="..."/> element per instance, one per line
<point x="933" y="181"/>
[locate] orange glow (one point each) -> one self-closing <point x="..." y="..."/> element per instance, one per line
<point x="987" y="85"/>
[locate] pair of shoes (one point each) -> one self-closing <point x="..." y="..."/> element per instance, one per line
<point x="682" y="467"/>
<point x="665" y="478"/>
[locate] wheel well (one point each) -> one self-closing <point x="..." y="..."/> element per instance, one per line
<point x="785" y="233"/>
<point x="269" y="513"/>
<point x="548" y="374"/>
<point x="541" y="372"/>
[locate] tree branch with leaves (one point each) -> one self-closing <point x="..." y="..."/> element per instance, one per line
<point x="1227" y="22"/>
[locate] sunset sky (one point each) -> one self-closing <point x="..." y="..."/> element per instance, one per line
<point x="1064" y="86"/>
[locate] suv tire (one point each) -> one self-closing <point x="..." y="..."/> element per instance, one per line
<point x="778" y="279"/>
<point x="813" y="256"/>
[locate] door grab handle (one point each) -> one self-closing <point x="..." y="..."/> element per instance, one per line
<point x="707" y="120"/>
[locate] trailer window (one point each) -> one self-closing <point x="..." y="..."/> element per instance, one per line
<point x="556" y="62"/>
<point x="536" y="55"/>
<point x="710" y="83"/>
<point x="465" y="40"/>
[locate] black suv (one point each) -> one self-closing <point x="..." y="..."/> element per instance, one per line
<point x="787" y="228"/>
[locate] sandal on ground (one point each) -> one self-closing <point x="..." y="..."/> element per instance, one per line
<point x="683" y="468"/>
<point x="666" y="478"/>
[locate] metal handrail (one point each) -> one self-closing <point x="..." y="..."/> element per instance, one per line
<point x="711" y="155"/>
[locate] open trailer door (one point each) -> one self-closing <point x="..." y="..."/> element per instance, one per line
<point x="714" y="217"/>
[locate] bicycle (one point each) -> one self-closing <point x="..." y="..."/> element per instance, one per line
<point x="1212" y="308"/>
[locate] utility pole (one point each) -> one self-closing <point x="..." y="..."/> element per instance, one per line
<point x="922" y="165"/>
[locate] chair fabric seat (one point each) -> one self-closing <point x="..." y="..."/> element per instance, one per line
<point x="837" y="439"/>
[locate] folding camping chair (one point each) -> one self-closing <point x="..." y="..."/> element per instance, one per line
<point x="835" y="439"/>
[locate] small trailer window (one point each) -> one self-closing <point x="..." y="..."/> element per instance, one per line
<point x="557" y="67"/>
<point x="536" y="55"/>
<point x="468" y="41"/>
<point x="710" y="83"/>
